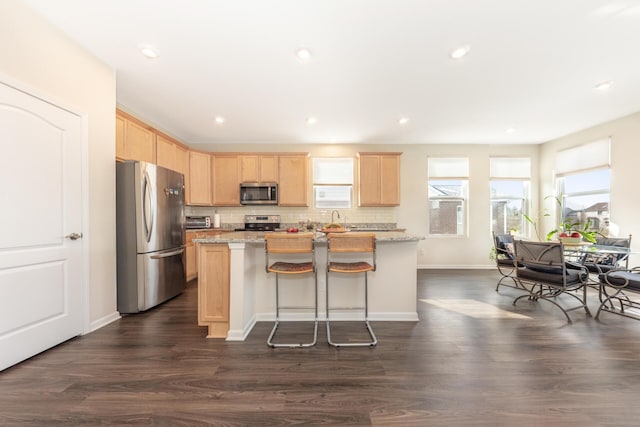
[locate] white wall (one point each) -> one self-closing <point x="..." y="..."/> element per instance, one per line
<point x="625" y="152"/>
<point x="36" y="55"/>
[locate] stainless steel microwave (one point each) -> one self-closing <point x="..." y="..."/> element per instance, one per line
<point x="258" y="193"/>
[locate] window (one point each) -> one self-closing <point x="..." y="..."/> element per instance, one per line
<point x="584" y="181"/>
<point x="509" y="184"/>
<point x="448" y="184"/>
<point x="585" y="197"/>
<point x="333" y="182"/>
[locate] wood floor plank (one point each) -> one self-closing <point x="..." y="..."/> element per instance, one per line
<point x="473" y="359"/>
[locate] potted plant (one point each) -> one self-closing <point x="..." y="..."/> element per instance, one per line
<point x="567" y="231"/>
<point x="571" y="231"/>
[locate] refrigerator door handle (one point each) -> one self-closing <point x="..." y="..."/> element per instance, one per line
<point x="147" y="207"/>
<point x="168" y="254"/>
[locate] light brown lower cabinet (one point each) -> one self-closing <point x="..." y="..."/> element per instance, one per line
<point x="213" y="289"/>
<point x="191" y="250"/>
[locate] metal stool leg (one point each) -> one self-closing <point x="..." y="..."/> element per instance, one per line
<point x="270" y="342"/>
<point x="373" y="341"/>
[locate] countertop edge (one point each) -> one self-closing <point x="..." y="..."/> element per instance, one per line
<point x="258" y="237"/>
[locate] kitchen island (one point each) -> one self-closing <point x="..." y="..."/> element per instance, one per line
<point x="235" y="292"/>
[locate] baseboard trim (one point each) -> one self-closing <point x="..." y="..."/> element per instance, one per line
<point x="241" y="334"/>
<point x="104" y="321"/>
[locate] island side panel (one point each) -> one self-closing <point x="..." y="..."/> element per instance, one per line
<point x="392" y="287"/>
<point x="213" y="289"/>
<point x="245" y="264"/>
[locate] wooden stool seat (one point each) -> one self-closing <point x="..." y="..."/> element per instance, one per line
<point x="291" y="267"/>
<point x="350" y="267"/>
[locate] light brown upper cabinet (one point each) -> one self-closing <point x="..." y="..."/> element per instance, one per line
<point x="182" y="162"/>
<point x="139" y="142"/>
<point x="120" y="125"/>
<point x="258" y="168"/>
<point x="171" y="155"/>
<point x="293" y="182"/>
<point x="379" y="179"/>
<point x="226" y="180"/>
<point x="199" y="188"/>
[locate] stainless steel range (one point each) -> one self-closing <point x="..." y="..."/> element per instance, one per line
<point x="260" y="223"/>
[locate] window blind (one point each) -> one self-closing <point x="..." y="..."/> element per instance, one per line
<point x="448" y="167"/>
<point x="592" y="155"/>
<point x="510" y="167"/>
<point x="332" y="170"/>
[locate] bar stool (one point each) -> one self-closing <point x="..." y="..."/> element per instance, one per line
<point x="339" y="246"/>
<point x="300" y="247"/>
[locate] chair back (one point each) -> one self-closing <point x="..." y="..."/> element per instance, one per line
<point x="503" y="243"/>
<point x="352" y="242"/>
<point x="290" y="243"/>
<point x="545" y="257"/>
<point x="603" y="263"/>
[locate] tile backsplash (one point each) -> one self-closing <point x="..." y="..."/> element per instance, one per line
<point x="294" y="215"/>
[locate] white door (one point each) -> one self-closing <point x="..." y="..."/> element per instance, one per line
<point x="40" y="207"/>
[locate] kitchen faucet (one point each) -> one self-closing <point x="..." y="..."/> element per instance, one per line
<point x="335" y="211"/>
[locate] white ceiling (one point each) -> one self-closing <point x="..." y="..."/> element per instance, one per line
<point x="532" y="66"/>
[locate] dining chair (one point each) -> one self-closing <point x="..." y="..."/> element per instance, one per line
<point x="545" y="275"/>
<point x="350" y="254"/>
<point x="602" y="263"/>
<point x="505" y="260"/>
<point x="295" y="253"/>
<point x="620" y="292"/>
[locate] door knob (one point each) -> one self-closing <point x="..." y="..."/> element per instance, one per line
<point x="74" y="236"/>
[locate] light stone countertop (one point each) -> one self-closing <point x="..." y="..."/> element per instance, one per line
<point x="258" y="237"/>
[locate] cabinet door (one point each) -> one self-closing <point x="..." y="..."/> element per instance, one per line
<point x="369" y="182"/>
<point x="213" y="289"/>
<point x="199" y="179"/>
<point x="182" y="161"/>
<point x="226" y="180"/>
<point x="120" y="151"/>
<point x="269" y="168"/>
<point x="249" y="168"/>
<point x="293" y="180"/>
<point x="378" y="179"/>
<point x="165" y="153"/>
<point x="140" y="143"/>
<point x="390" y="180"/>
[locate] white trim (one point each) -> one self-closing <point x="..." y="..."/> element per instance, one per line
<point x="103" y="321"/>
<point x="241" y="334"/>
<point x="86" y="235"/>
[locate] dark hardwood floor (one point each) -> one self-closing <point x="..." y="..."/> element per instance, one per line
<point x="469" y="361"/>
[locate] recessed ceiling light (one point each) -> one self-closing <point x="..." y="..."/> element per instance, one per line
<point x="403" y="120"/>
<point x="311" y="120"/>
<point x="219" y="120"/>
<point x="460" y="52"/>
<point x="604" y="85"/>
<point x="510" y="130"/>
<point x="303" y="54"/>
<point x="149" y="52"/>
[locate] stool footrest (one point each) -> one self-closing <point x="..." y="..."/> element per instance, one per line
<point x="270" y="342"/>
<point x="371" y="343"/>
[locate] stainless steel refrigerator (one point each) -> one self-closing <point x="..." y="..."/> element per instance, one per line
<point x="150" y="235"/>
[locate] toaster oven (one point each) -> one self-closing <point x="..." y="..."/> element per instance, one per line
<point x="198" y="222"/>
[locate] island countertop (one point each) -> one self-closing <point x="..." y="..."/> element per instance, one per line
<point x="258" y="237"/>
